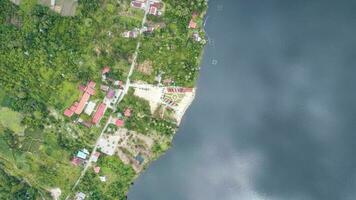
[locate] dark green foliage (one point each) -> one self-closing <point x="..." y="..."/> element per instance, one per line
<point x="12" y="188"/>
<point x="141" y="119"/>
<point x="119" y="177"/>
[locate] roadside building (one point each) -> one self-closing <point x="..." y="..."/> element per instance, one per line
<point x="104" y="88"/>
<point x="153" y="10"/>
<point x="131" y="34"/>
<point x="119" y="123"/>
<point x="110" y="94"/>
<point x="81" y="154"/>
<point x="118" y="83"/>
<point x="96" y="156"/>
<point x="99" y="113"/>
<point x="76" y="161"/>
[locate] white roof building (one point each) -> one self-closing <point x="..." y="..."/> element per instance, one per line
<point x="102" y="178"/>
<point x="90" y="108"/>
<point x="80" y="196"/>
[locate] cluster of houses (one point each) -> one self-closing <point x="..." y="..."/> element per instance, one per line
<point x="193" y="25"/>
<point x="154" y="8"/>
<point x="168" y="99"/>
<point x="90" y="107"/>
<point x="78" y="107"/>
<point x="82" y="156"/>
<point x="134" y="33"/>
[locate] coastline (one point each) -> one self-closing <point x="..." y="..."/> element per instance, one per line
<point x="187" y="104"/>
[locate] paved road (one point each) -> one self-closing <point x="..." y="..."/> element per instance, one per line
<point x="134" y="59"/>
<point x="126" y="88"/>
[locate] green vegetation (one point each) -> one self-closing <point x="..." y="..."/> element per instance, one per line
<point x="45" y="57"/>
<point x="172" y="49"/>
<point x="13" y="188"/>
<point x="141" y="119"/>
<point x="11" y="119"/>
<point x="118" y="179"/>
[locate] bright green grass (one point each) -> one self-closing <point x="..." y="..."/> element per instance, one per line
<point x="11" y="119"/>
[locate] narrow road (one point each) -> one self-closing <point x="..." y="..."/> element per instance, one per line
<point x="89" y="163"/>
<point x="134" y="59"/>
<point x="126" y="88"/>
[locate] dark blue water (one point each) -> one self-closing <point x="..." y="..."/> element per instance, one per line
<point x="275" y="119"/>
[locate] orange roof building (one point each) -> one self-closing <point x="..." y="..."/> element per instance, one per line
<point x="192" y="24"/>
<point x="119" y="122"/>
<point x="99" y="113"/>
<point x="78" y="107"/>
<point x="82" y="103"/>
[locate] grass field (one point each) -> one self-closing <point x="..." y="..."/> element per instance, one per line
<point x="11" y="119"/>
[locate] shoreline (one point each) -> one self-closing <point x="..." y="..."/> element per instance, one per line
<point x="187" y="105"/>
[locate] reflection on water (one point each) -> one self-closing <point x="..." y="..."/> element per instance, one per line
<point x="274" y="117"/>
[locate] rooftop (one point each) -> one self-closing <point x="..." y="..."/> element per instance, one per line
<point x="99" y="113"/>
<point x="119" y="122"/>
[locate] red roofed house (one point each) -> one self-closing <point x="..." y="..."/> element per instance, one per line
<point x="137" y="4"/>
<point x="187" y="89"/>
<point x="119" y="122"/>
<point x="127" y="112"/>
<point x="97" y="169"/>
<point x="68" y="112"/>
<point x="89" y="90"/>
<point x="76" y="161"/>
<point x="192" y="24"/>
<point x="153" y="10"/>
<point x="106" y="69"/>
<point x="82" y="103"/>
<point x="99" y="113"/>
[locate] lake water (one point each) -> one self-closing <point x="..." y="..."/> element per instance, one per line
<point x="275" y="113"/>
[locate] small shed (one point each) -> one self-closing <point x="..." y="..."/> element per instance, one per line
<point x="97" y="169"/>
<point x="106" y="69"/>
<point x="119" y="123"/>
<point x="127" y="112"/>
